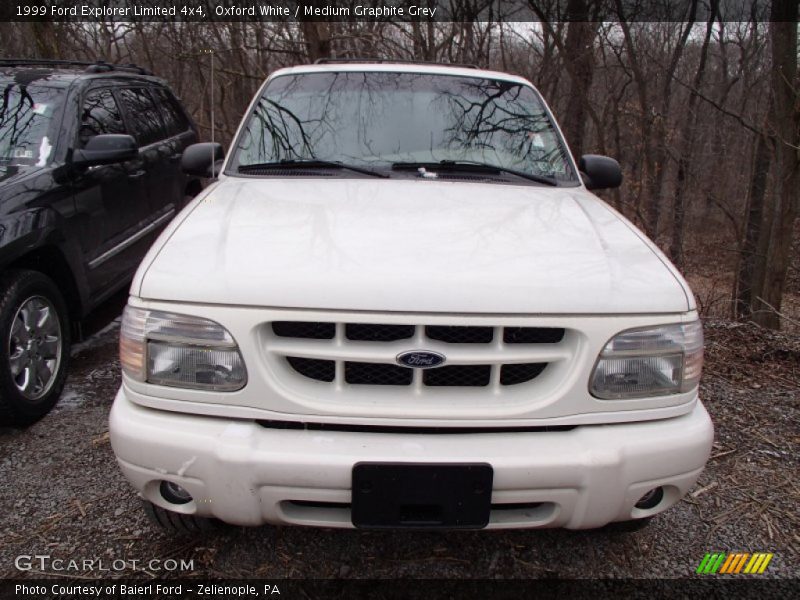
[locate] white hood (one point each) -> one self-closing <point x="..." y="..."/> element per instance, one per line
<point x="411" y="245"/>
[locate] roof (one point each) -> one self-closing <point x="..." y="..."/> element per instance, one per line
<point x="63" y="72"/>
<point x="400" y="67"/>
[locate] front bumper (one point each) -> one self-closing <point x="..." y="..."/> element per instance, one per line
<point x="246" y="474"/>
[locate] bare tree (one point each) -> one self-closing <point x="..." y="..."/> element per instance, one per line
<point x="785" y="126"/>
<point x="688" y="131"/>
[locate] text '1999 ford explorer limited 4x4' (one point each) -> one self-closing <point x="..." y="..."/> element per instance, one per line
<point x="400" y="306"/>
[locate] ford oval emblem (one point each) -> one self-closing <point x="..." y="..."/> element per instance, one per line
<point x="420" y="359"/>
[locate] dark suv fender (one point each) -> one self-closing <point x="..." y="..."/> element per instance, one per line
<point x="34" y="239"/>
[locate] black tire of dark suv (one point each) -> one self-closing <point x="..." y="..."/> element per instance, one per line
<point x="35" y="333"/>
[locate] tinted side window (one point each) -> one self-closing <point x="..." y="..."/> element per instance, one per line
<point x="100" y="114"/>
<point x="143" y="115"/>
<point x="174" y="118"/>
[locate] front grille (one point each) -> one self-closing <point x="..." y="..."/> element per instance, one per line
<point x="458" y="376"/>
<point x="532" y="335"/>
<point x="311" y="330"/>
<point x="455" y="334"/>
<point x="359" y="373"/>
<point x="451" y="334"/>
<point x="321" y="370"/>
<point x="378" y="333"/>
<point x="364" y="354"/>
<point x="520" y="373"/>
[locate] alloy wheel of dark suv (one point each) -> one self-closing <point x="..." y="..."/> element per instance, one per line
<point x="34" y="325"/>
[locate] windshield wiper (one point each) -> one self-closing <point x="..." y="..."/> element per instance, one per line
<point x="308" y="163"/>
<point x="469" y="166"/>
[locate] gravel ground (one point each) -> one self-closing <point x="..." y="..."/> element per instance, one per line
<point x="64" y="496"/>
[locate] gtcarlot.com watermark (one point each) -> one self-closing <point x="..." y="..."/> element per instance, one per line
<point x="45" y="563"/>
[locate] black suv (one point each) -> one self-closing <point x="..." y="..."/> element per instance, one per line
<point x="90" y="173"/>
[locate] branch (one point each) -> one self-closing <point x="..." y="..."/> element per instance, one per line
<point x="742" y="121"/>
<point x="777" y="312"/>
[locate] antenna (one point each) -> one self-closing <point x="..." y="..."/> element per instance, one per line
<point x="210" y="52"/>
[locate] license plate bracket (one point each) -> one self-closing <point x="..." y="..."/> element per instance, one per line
<point x="421" y="496"/>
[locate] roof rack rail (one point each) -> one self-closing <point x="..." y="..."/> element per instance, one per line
<point x="98" y="66"/>
<point x="329" y="61"/>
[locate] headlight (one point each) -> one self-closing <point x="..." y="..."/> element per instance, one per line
<point x="180" y="351"/>
<point x="649" y="362"/>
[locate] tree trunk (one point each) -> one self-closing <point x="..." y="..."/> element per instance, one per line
<point x="317" y="38"/>
<point x="44" y="38"/>
<point x="686" y="150"/>
<point x="785" y="125"/>
<point x="751" y="262"/>
<point x="658" y="145"/>
<point x="579" y="53"/>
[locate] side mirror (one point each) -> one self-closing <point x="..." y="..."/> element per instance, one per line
<point x="600" y="172"/>
<point x="203" y="160"/>
<point x="106" y="149"/>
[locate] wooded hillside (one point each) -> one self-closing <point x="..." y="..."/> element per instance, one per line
<point x="703" y="115"/>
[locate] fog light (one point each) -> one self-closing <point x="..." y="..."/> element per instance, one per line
<point x="173" y="493"/>
<point x="651" y="498"/>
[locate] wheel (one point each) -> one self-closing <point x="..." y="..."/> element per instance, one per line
<point x="35" y="333"/>
<point x="628" y="526"/>
<point x="179" y="523"/>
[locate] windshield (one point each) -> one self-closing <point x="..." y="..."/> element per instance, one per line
<point x="377" y="119"/>
<point x="26" y="120"/>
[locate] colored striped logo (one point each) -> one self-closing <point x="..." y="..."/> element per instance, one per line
<point x="734" y="563"/>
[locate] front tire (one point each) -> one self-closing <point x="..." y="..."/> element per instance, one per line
<point x="35" y="337"/>
<point x="179" y="523"/>
<point x="630" y="526"/>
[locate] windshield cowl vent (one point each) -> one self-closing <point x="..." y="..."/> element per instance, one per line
<point x="288" y="173"/>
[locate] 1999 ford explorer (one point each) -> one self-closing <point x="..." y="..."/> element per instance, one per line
<point x="400" y="305"/>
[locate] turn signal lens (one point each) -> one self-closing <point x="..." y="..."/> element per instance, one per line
<point x="131" y="342"/>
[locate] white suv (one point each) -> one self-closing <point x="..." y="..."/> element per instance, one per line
<point x="400" y="306"/>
